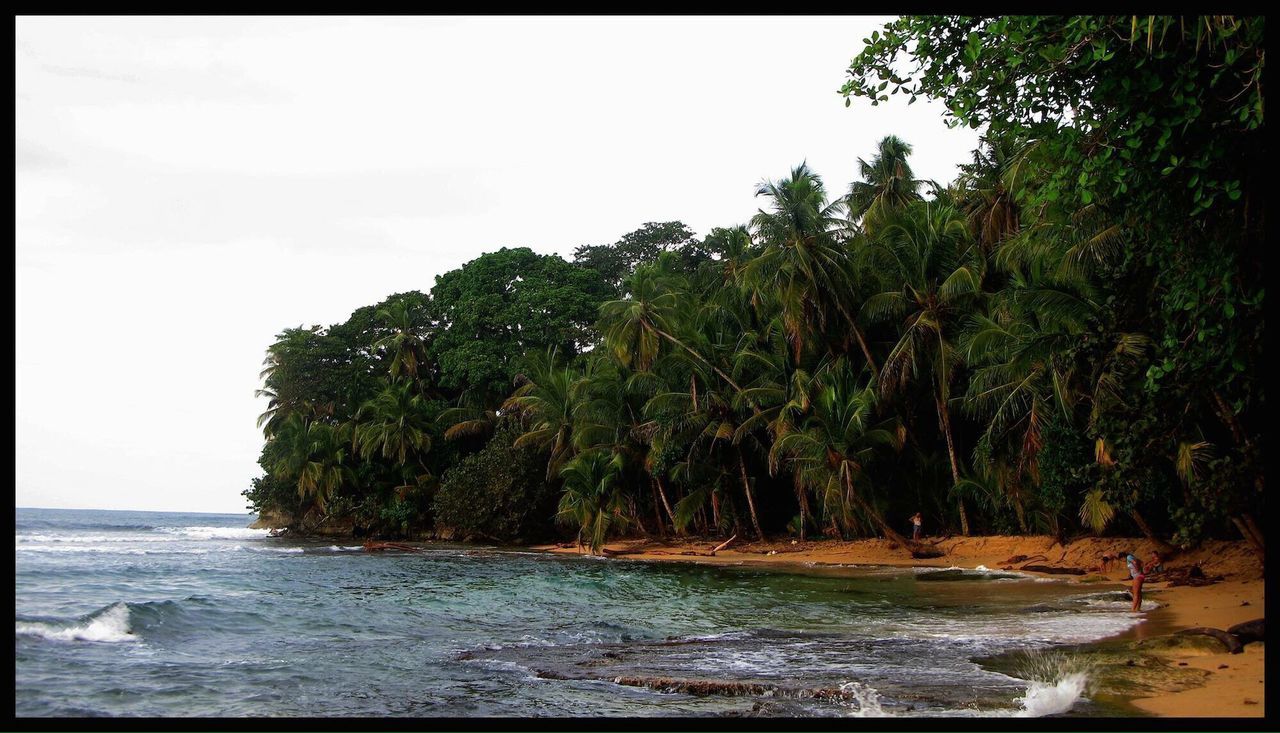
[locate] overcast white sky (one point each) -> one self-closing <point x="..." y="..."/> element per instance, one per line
<point x="186" y="188"/>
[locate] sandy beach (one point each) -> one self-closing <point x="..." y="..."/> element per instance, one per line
<point x="1235" y="683"/>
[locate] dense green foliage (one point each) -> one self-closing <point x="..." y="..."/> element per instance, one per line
<point x="497" y="493"/>
<point x="1067" y="338"/>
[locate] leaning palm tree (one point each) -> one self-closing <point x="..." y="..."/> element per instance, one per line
<point x="804" y="265"/>
<point x="635" y="327"/>
<point x="888" y="185"/>
<point x="932" y="272"/>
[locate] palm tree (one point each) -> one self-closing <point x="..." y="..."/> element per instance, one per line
<point x="1024" y="369"/>
<point x="403" y="343"/>
<point x="829" y="448"/>
<point x="593" y="499"/>
<point x="634" y="327"/>
<point x="547" y="397"/>
<point x="395" y="424"/>
<point x="701" y="421"/>
<point x="990" y="188"/>
<point x="315" y="458"/>
<point x="887" y="186"/>
<point x="933" y="273"/>
<point x="803" y="265"/>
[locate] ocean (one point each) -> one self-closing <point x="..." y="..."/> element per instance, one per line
<point x="167" y="614"/>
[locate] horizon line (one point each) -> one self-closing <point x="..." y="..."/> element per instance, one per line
<point x="157" y="511"/>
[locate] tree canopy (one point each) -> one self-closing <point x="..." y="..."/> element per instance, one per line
<point x="1067" y="338"/>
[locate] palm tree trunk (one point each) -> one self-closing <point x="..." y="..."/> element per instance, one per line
<point x="875" y="516"/>
<point x="804" y="512"/>
<point x="1254" y="530"/>
<point x="1164" y="547"/>
<point x="751" y="503"/>
<point x="715" y="511"/>
<point x="945" y="417"/>
<point x="657" y="510"/>
<point x="1233" y="423"/>
<point x="696" y="355"/>
<point x="667" y="505"/>
<point x="1249" y="530"/>
<point x="1019" y="511"/>
<point x="634" y="510"/>
<point x="862" y="343"/>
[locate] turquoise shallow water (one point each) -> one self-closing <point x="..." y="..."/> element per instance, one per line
<point x="162" y="614"/>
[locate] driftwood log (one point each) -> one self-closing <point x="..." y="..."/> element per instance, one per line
<point x="1192" y="576"/>
<point x="921" y="552"/>
<point x="1230" y="641"/>
<point x="1023" y="558"/>
<point x="372" y="546"/>
<point x="1249" y="631"/>
<point x="1235" y="637"/>
<point x="1053" y="570"/>
<point x="695" y="553"/>
<point x="723" y="545"/>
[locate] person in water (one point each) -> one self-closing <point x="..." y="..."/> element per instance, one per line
<point x="1137" y="573"/>
<point x="1104" y="565"/>
<point x="917" y="525"/>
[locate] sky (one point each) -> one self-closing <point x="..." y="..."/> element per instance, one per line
<point x="186" y="188"/>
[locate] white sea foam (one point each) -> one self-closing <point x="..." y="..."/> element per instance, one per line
<point x="1057" y="681"/>
<point x="867" y="698"/>
<point x="217" y="533"/>
<point x="88" y="538"/>
<point x="291" y="550"/>
<point x="1053" y="698"/>
<point x="109" y="549"/>
<point x="1120" y="605"/>
<point x="111" y="625"/>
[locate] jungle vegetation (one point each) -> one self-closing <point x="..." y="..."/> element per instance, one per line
<point x="1065" y="339"/>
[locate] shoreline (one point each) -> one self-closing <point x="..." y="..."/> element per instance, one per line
<point x="1234" y="685"/>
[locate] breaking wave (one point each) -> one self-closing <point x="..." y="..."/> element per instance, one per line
<point x="110" y="624"/>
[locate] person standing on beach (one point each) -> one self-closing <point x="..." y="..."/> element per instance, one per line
<point x="917" y="524"/>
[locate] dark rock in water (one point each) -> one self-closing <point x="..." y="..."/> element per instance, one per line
<point x="731" y="688"/>
<point x="550" y="674"/>
<point x="764" y="708"/>
<point x="957" y="574"/>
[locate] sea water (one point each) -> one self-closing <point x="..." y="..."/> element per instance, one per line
<point x="164" y="614"/>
